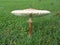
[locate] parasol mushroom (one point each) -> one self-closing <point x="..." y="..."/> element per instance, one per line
<point x="29" y="12"/>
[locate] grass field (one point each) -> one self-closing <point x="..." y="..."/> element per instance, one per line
<point x="13" y="29"/>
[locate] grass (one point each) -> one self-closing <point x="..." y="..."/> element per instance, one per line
<point x="13" y="29"/>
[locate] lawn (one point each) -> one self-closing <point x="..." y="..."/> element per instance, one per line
<point x="13" y="29"/>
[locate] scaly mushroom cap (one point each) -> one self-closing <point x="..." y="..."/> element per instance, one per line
<point x="29" y="11"/>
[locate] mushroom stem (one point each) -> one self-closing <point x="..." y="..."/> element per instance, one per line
<point x="30" y="26"/>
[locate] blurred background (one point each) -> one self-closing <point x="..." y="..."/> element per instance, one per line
<point x="13" y="29"/>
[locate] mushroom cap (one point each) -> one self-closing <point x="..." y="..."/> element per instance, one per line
<point x="29" y="11"/>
